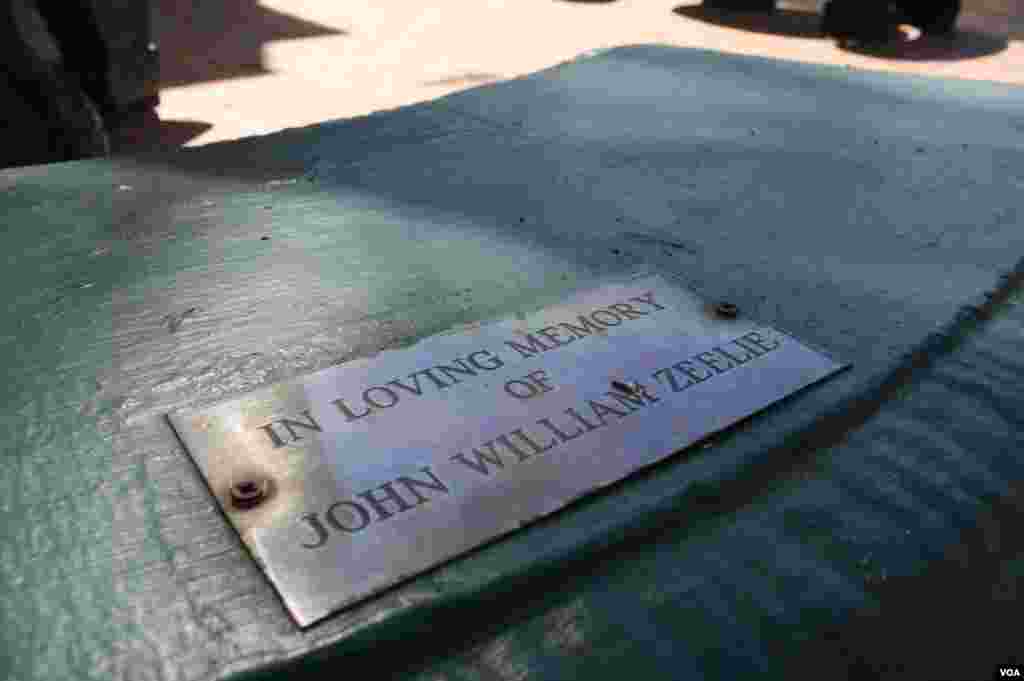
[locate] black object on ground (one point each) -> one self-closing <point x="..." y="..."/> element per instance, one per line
<point x="72" y="69"/>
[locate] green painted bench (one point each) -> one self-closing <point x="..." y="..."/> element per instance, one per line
<point x="865" y="528"/>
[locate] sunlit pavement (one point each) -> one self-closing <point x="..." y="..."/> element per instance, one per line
<point x="235" y="68"/>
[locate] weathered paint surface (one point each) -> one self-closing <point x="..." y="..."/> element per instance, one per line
<point x="862" y="212"/>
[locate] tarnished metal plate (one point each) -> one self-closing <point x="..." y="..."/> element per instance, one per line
<point x="351" y="479"/>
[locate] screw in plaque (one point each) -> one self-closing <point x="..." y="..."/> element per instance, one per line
<point x="635" y="388"/>
<point x="727" y="310"/>
<point x="249" y="492"/>
<point x="625" y="387"/>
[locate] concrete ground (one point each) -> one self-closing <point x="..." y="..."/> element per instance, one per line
<point x="234" y="68"/>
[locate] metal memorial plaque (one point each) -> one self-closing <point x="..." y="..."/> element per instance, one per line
<point x="347" y="481"/>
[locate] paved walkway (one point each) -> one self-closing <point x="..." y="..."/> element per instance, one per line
<point x="235" y="68"/>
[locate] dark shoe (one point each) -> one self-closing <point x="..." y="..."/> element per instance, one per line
<point x="932" y="17"/>
<point x="861" y="22"/>
<point x="741" y="5"/>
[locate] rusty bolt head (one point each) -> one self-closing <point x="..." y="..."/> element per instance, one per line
<point x="727" y="310"/>
<point x="249" y="492"/>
